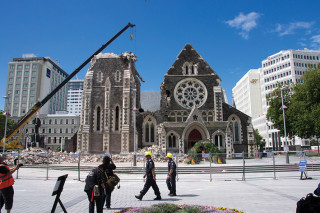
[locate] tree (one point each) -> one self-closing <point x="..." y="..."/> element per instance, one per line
<point x="275" y="113"/>
<point x="305" y="105"/>
<point x="10" y="124"/>
<point x="259" y="140"/>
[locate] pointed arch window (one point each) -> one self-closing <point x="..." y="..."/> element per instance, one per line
<point x="98" y="118"/>
<point x="236" y="131"/>
<point x="172" y="141"/>
<point x="117" y="117"/>
<point x="149" y="130"/>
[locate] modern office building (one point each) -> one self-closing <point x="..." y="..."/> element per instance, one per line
<point x="247" y="94"/>
<point x="75" y="88"/>
<point x="30" y="79"/>
<point x="284" y="67"/>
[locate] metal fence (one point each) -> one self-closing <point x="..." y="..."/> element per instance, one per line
<point x="198" y="167"/>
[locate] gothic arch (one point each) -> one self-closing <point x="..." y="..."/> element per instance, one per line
<point x="235" y="127"/>
<point x="97" y="118"/>
<point x="172" y="140"/>
<point x="222" y="139"/>
<point x="194" y="126"/>
<point x="149" y="130"/>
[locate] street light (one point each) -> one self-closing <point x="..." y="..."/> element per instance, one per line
<point x="5" y="128"/>
<point x="284" y="127"/>
<point x="134" y="127"/>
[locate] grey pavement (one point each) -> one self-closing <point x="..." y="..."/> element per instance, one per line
<point x="258" y="193"/>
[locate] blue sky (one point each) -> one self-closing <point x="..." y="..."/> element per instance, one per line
<point x="232" y="36"/>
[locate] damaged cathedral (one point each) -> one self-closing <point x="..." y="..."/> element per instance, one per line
<point x="192" y="107"/>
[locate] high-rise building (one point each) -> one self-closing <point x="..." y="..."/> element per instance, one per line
<point x="284" y="67"/>
<point x="30" y="79"/>
<point x="75" y="88"/>
<point x="247" y="95"/>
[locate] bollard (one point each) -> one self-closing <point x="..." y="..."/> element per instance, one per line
<point x="244" y="168"/>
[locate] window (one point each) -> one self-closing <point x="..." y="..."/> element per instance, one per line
<point x="10" y="73"/>
<point x="25" y="85"/>
<point x="33" y="79"/>
<point x="50" y="121"/>
<point x="27" y="66"/>
<point x="31" y="98"/>
<point x="34" y="66"/>
<point x="172" y="141"/>
<point x="19" y="73"/>
<point x="67" y="121"/>
<point x="19" y="67"/>
<point x="98" y="118"/>
<point x="24" y="98"/>
<point x="32" y="92"/>
<point x="25" y="79"/>
<point x="26" y="73"/>
<point x="18" y="79"/>
<point x="34" y="72"/>
<point x="61" y="121"/>
<point x="116" y="128"/>
<point x="11" y="67"/>
<point x="10" y="86"/>
<point x="10" y="79"/>
<point x="18" y="85"/>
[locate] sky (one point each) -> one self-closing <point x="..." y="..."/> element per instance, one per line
<point x="233" y="36"/>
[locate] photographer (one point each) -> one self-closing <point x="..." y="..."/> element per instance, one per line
<point x="6" y="182"/>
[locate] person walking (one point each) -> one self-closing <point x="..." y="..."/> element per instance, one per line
<point x="95" y="185"/>
<point x="109" y="166"/>
<point x="6" y="182"/>
<point x="151" y="179"/>
<point x="171" y="178"/>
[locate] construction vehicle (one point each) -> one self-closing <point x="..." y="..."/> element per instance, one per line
<point x="39" y="104"/>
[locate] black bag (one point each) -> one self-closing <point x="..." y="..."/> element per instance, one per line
<point x="113" y="180"/>
<point x="309" y="204"/>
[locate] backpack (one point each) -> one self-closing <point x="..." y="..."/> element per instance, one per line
<point x="113" y="180"/>
<point x="309" y="204"/>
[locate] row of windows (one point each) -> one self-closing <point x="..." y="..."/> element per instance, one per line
<point x="296" y="64"/>
<point x="306" y="57"/>
<point x="58" y="121"/>
<point x="281" y="83"/>
<point x="276" y="60"/>
<point x="277" y="76"/>
<point x="277" y="68"/>
<point x="18" y="79"/>
<point x="26" y="66"/>
<point x="182" y="116"/>
<point x="26" y="73"/>
<point x="55" y="139"/>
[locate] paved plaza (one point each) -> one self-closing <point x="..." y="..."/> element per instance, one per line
<point x="258" y="193"/>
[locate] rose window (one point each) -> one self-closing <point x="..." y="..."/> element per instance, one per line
<point x="189" y="93"/>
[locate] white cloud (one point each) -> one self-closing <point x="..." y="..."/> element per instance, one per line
<point x="291" y="28"/>
<point x="245" y="23"/>
<point x="315" y="41"/>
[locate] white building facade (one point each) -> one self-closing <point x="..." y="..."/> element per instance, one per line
<point x="247" y="94"/>
<point x="30" y="79"/>
<point x="284" y="67"/>
<point x="75" y="88"/>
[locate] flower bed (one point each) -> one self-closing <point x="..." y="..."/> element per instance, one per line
<point x="172" y="208"/>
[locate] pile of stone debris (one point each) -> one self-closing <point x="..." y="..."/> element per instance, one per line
<point x="35" y="156"/>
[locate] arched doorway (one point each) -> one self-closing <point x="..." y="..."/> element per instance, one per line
<point x="194" y="137"/>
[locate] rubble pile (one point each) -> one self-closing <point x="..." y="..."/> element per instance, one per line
<point x="36" y="156"/>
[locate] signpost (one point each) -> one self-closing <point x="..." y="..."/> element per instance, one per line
<point x="57" y="191"/>
<point x="302" y="168"/>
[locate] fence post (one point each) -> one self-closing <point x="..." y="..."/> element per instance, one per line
<point x="177" y="162"/>
<point x="79" y="167"/>
<point x="18" y="163"/>
<point x="274" y="166"/>
<point x="210" y="156"/>
<point x="244" y="168"/>
<point x="47" y="166"/>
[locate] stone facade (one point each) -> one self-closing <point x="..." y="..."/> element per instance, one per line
<point x="107" y="103"/>
<point x="192" y="108"/>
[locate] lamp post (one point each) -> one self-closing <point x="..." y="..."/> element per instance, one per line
<point x="5" y="127"/>
<point x="134" y="127"/>
<point x="284" y="127"/>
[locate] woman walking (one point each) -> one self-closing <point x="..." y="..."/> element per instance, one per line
<point x="109" y="166"/>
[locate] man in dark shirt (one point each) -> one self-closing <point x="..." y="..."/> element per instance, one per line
<point x="171" y="178"/>
<point x="6" y="182"/>
<point x="95" y="177"/>
<point x="109" y="166"/>
<point x="151" y="179"/>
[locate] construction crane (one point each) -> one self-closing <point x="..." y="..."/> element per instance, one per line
<point x="39" y="104"/>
